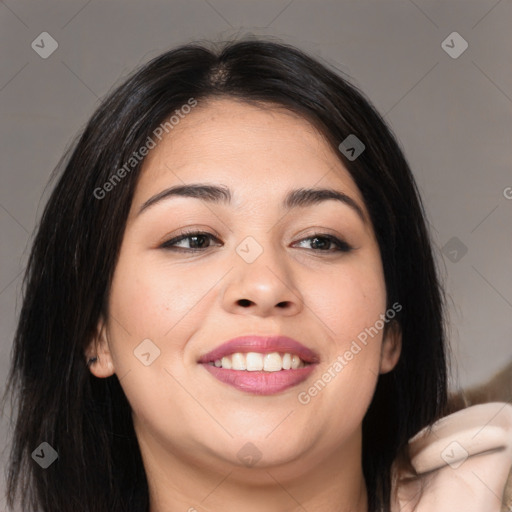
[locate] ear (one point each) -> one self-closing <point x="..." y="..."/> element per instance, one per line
<point x="98" y="350"/>
<point x="391" y="347"/>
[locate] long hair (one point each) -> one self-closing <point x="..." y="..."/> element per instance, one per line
<point x="88" y="420"/>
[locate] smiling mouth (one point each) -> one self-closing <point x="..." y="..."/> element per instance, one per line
<point x="261" y="365"/>
<point x="255" y="361"/>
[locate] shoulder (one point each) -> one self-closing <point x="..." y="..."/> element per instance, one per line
<point x="463" y="461"/>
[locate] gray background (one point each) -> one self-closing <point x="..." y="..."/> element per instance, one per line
<point x="453" y="118"/>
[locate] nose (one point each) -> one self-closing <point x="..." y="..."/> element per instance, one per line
<point x="265" y="287"/>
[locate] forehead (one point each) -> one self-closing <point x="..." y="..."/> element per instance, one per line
<point x="255" y="150"/>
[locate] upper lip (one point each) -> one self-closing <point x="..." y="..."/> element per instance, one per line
<point x="261" y="344"/>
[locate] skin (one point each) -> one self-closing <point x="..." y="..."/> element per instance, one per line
<point x="189" y="425"/>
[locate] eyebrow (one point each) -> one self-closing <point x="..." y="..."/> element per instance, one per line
<point x="219" y="194"/>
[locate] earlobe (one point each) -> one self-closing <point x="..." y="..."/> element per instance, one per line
<point x="97" y="355"/>
<point x="391" y="348"/>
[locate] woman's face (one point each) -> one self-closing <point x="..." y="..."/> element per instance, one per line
<point x="260" y="271"/>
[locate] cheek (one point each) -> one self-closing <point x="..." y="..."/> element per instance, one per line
<point x="163" y="302"/>
<point x="350" y="304"/>
<point x="151" y="301"/>
<point x="350" y="300"/>
<point x="151" y="298"/>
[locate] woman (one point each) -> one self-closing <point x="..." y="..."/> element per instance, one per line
<point x="232" y="303"/>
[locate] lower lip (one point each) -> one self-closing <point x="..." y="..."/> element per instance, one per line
<point x="260" y="382"/>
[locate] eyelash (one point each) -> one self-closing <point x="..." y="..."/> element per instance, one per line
<point x="342" y="246"/>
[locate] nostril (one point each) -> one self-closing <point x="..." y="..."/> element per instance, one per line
<point x="244" y="302"/>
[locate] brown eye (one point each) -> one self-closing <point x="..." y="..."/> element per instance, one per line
<point x="198" y="241"/>
<point x="322" y="243"/>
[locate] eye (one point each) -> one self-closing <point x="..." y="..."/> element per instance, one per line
<point x="324" y="241"/>
<point x="198" y="241"/>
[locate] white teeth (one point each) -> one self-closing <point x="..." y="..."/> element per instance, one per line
<point x="238" y="361"/>
<point x="226" y="363"/>
<point x="254" y="362"/>
<point x="273" y="362"/>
